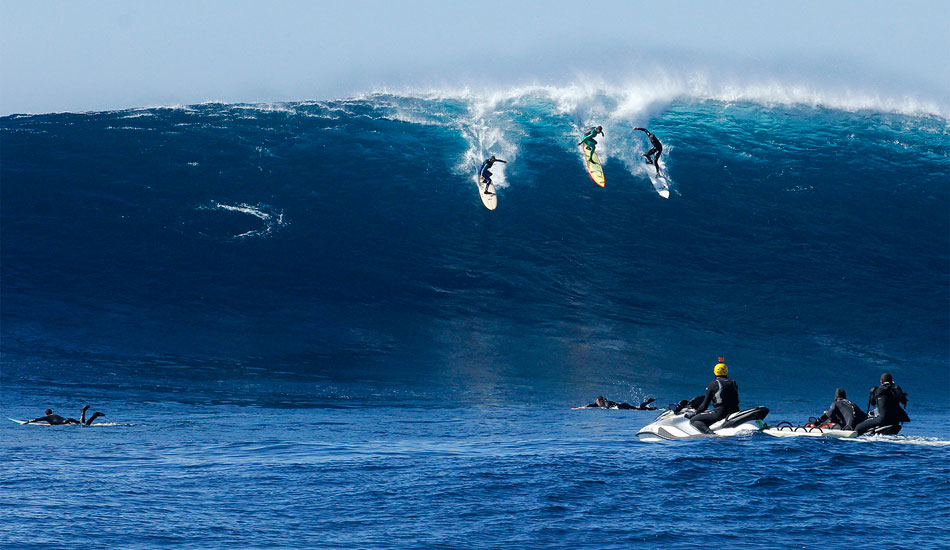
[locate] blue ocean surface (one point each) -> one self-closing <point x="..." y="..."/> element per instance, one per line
<point x="306" y="331"/>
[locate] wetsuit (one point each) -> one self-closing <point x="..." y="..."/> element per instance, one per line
<point x="723" y="394"/>
<point x="844" y="414"/>
<point x="657" y="149"/>
<point x="590" y="142"/>
<point x="645" y="406"/>
<point x="57" y="420"/>
<point x="54" y="420"/>
<point x="486" y="174"/>
<point x="888" y="397"/>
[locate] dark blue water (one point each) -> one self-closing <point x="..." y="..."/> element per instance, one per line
<point x="306" y="330"/>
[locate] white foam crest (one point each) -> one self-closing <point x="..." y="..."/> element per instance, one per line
<point x="488" y="132"/>
<point x="652" y="91"/>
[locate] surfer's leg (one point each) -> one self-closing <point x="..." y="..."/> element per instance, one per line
<point x="71" y="421"/>
<point x="82" y="417"/>
<point x="649" y="155"/>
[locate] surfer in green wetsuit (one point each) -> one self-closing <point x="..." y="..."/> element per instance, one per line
<point x="486" y="174"/>
<point x="657" y="149"/>
<point x="590" y="142"/>
<point x="57" y="420"/>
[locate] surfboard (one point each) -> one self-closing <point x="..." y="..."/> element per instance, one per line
<point x="661" y="182"/>
<point x="490" y="200"/>
<point x="94" y="425"/>
<point x="22" y="422"/>
<point x="595" y="169"/>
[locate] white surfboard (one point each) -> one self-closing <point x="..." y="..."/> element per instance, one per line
<point x="490" y="199"/>
<point x="661" y="182"/>
<point x="22" y="422"/>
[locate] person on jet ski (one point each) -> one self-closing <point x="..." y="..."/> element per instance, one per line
<point x="603" y="403"/>
<point x="888" y="398"/>
<point x="722" y="393"/>
<point x="842" y="414"/>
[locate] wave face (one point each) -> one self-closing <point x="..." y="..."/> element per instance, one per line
<point x="345" y="240"/>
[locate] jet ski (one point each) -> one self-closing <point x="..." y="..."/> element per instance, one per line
<point x="673" y="424"/>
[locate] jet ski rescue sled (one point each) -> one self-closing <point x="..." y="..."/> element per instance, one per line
<point x="672" y="425"/>
<point x="787" y="429"/>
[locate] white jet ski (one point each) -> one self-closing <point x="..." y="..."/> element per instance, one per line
<point x="672" y="425"/>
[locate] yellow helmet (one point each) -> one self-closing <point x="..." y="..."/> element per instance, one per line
<point x="721" y="369"/>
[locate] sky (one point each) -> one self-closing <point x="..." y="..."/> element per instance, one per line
<point x="82" y="56"/>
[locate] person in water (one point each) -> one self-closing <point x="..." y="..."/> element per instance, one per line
<point x="590" y="142"/>
<point x="486" y="174"/>
<point x="722" y="393"/>
<point x="603" y="403"/>
<point x="842" y="414"/>
<point x="657" y="150"/>
<point x="888" y="398"/>
<point x="57" y="420"/>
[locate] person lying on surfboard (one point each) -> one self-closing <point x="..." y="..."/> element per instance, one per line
<point x="657" y="148"/>
<point x="486" y="174"/>
<point x="57" y="420"/>
<point x="603" y="403"/>
<point x="590" y="142"/>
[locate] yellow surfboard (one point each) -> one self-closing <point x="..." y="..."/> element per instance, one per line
<point x="594" y="168"/>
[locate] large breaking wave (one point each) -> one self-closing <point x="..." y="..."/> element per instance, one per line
<point x="807" y="232"/>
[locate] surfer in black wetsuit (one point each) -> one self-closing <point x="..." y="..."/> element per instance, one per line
<point x="723" y="393"/>
<point x="486" y="174"/>
<point x="657" y="149"/>
<point x="841" y="414"/>
<point x="590" y="142"/>
<point x="888" y="398"/>
<point x="603" y="403"/>
<point x="57" y="420"/>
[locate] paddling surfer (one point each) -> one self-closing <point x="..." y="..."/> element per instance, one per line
<point x="57" y="420"/>
<point x="657" y="150"/>
<point x="604" y="403"/>
<point x="486" y="174"/>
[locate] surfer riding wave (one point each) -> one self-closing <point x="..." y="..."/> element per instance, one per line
<point x="656" y="150"/>
<point x="486" y="174"/>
